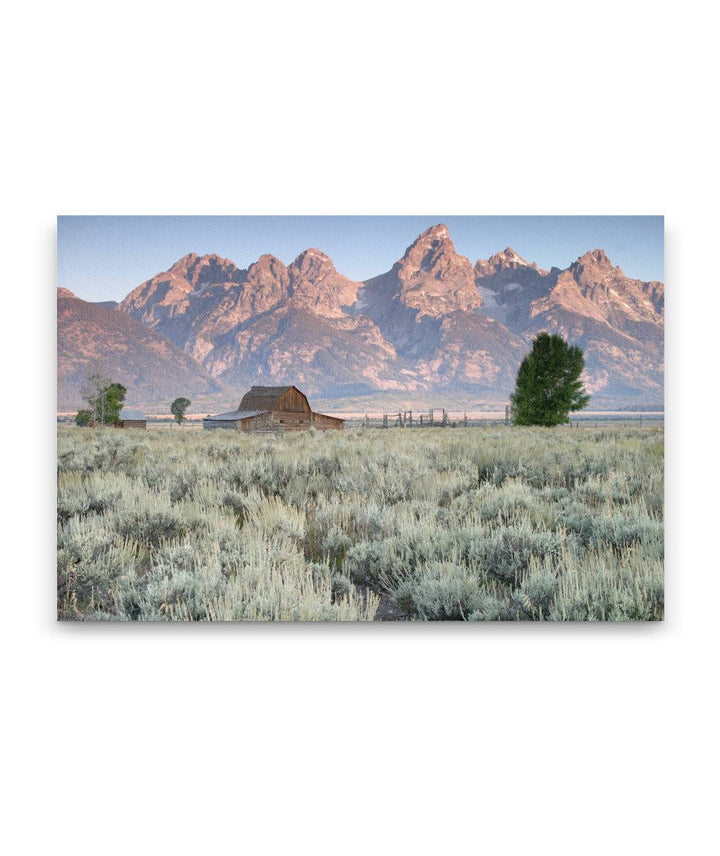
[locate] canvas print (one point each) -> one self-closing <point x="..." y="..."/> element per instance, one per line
<point x="409" y="418"/>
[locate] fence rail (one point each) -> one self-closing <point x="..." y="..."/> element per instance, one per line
<point x="455" y="420"/>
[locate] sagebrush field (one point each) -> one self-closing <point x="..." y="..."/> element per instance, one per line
<point x="475" y="524"/>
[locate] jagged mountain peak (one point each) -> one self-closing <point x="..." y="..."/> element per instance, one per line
<point x="312" y="264"/>
<point x="598" y="254"/>
<point x="267" y="263"/>
<point x="317" y="285"/>
<point x="209" y="269"/>
<point x="185" y="264"/>
<point x="65" y="292"/>
<point x="431" y="280"/>
<point x="506" y="260"/>
<point x="439" y="232"/>
<point x="269" y="279"/>
<point x="509" y="256"/>
<point x="267" y="258"/>
<point x="433" y="252"/>
<point x="186" y="260"/>
<point x="312" y="253"/>
<point x="433" y="240"/>
<point x="592" y="287"/>
<point x="595" y="259"/>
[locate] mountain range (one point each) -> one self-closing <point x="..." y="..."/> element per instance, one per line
<point x="434" y="324"/>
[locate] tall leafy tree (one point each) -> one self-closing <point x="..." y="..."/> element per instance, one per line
<point x="548" y="386"/>
<point x="114" y="398"/>
<point x="93" y="394"/>
<point x="178" y="408"/>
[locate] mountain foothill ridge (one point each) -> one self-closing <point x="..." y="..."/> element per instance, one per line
<point x="435" y="323"/>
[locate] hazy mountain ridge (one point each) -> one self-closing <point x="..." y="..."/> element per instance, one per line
<point x="433" y="322"/>
<point x="94" y="338"/>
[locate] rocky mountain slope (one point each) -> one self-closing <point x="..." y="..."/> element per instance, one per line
<point x="95" y="338"/>
<point x="433" y="323"/>
<point x="428" y="306"/>
<point x="617" y="321"/>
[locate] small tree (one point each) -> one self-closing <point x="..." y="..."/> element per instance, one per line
<point x="548" y="385"/>
<point x="82" y="418"/>
<point x="178" y="408"/>
<point x="105" y="398"/>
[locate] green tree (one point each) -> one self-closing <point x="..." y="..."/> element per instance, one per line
<point x="105" y="398"/>
<point x="114" y="400"/>
<point x="178" y="408"/>
<point x="548" y="385"/>
<point x="82" y="418"/>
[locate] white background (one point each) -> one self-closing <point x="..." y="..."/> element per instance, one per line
<point x="355" y="739"/>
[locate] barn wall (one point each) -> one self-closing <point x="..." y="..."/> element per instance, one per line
<point x="279" y="421"/>
<point x="133" y="423"/>
<point x="292" y="420"/>
<point x="293" y="401"/>
<point x="327" y="423"/>
<point x="210" y="425"/>
<point x="288" y="420"/>
<point x="259" y="423"/>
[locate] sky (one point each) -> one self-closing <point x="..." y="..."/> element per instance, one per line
<point x="104" y="258"/>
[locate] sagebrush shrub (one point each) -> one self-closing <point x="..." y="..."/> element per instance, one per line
<point x="476" y="524"/>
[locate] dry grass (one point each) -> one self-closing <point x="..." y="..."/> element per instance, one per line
<point x="475" y="524"/>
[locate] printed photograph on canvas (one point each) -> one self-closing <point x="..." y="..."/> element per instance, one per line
<point x="371" y="418"/>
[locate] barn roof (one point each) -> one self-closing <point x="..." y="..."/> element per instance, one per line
<point x="264" y="397"/>
<point x="235" y="415"/>
<point x="128" y="414"/>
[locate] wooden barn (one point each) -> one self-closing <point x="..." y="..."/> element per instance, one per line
<point x="132" y="419"/>
<point x="273" y="408"/>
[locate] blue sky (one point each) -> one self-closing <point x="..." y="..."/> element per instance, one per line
<point x="103" y="258"/>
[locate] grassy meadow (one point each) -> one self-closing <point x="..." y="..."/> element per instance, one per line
<point x="476" y="524"/>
